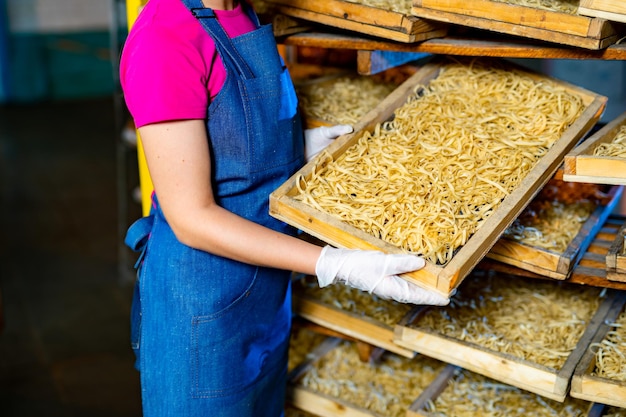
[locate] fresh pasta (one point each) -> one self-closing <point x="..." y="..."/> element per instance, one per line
<point x="566" y="6"/>
<point x="344" y="100"/>
<point x="611" y="351"/>
<point x="399" y="6"/>
<point x="469" y="394"/>
<point x="615" y="148"/>
<point x="540" y="321"/>
<point x="427" y="180"/>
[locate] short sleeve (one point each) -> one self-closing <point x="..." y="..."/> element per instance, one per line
<point x="163" y="76"/>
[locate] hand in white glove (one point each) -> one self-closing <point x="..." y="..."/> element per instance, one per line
<point x="375" y="272"/>
<point x="317" y="139"/>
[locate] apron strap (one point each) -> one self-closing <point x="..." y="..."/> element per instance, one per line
<point x="208" y="20"/>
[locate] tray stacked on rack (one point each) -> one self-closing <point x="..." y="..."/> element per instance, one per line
<point x="553" y="234"/>
<point x="350" y="312"/>
<point x="393" y="23"/>
<point x="605" y="9"/>
<point x="461" y="392"/>
<point x="588" y="163"/>
<point x="616" y="257"/>
<point x="568" y="28"/>
<point x="599" y="376"/>
<point x="526" y="333"/>
<point x="286" y="202"/>
<point x="333" y="381"/>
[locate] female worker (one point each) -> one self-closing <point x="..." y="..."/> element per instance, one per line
<point x="216" y="112"/>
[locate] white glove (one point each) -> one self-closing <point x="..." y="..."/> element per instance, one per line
<point x="317" y="139"/>
<point x="375" y="272"/>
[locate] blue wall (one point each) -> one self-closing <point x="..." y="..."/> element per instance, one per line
<point x="4" y="52"/>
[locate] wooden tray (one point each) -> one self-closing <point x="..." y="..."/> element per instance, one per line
<point x="358" y="324"/>
<point x="581" y="165"/>
<point x="593" y="388"/>
<point x="616" y="257"/>
<point x="363" y="19"/>
<point x="605" y="9"/>
<point x="550" y="263"/>
<point x="494" y="396"/>
<point x="591" y="269"/>
<point x="390" y="373"/>
<point x="528" y="22"/>
<point x="442" y="279"/>
<point x="504" y="367"/>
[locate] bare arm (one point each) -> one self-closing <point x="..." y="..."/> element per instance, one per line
<point x="178" y="159"/>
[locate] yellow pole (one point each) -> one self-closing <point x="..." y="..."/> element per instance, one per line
<point x="133" y="7"/>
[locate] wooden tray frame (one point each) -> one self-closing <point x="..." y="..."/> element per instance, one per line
<point x="363" y="19"/>
<point x="554" y="264"/>
<point x="418" y="408"/>
<point x="363" y="328"/>
<point x="320" y="404"/>
<point x="442" y="279"/>
<point x="506" y="368"/>
<point x="604" y="9"/>
<point x="581" y="165"/>
<point x="616" y="258"/>
<point x="593" y="388"/>
<point x="529" y="22"/>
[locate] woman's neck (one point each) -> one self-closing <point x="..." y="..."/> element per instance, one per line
<point x="219" y="4"/>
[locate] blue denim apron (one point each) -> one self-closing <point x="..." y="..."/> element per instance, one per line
<point x="211" y="334"/>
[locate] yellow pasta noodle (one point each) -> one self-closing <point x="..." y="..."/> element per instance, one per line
<point x="427" y="180"/>
<point x="469" y="394"/>
<point x="566" y="6"/>
<point x="536" y="321"/>
<point x="615" y="148"/>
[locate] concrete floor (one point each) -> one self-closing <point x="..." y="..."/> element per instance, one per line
<point x="64" y="347"/>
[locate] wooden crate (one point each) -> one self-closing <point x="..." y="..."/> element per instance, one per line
<point x="457" y="387"/>
<point x="604" y="9"/>
<point x="616" y="257"/>
<point x="556" y="265"/>
<point x="344" y="315"/>
<point x="441" y="278"/>
<point x="528" y="22"/>
<point x="382" y="389"/>
<point x="590" y="387"/>
<point x="581" y="165"/>
<point x="548" y="381"/>
<point x="591" y="269"/>
<point x="387" y="24"/>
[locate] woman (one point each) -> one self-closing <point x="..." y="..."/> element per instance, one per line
<point x="216" y="111"/>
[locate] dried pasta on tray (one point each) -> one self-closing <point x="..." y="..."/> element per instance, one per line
<point x="442" y="166"/>
<point x="526" y="333"/>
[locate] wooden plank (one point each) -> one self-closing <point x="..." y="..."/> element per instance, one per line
<point x="593" y="388"/>
<point x="581" y="165"/>
<point x="605" y="9"/>
<point x="503" y="367"/>
<point x="550" y="263"/>
<point x="360" y="18"/>
<point x="494" y="12"/>
<point x="434" y="390"/>
<point x="469" y="45"/>
<point x="439" y="278"/>
<point x="361" y="328"/>
<point x="592" y="41"/>
<point x="616" y="257"/>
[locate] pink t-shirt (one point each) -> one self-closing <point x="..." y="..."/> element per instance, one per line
<point x="169" y="68"/>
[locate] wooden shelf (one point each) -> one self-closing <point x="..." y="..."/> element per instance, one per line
<point x="502" y="46"/>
